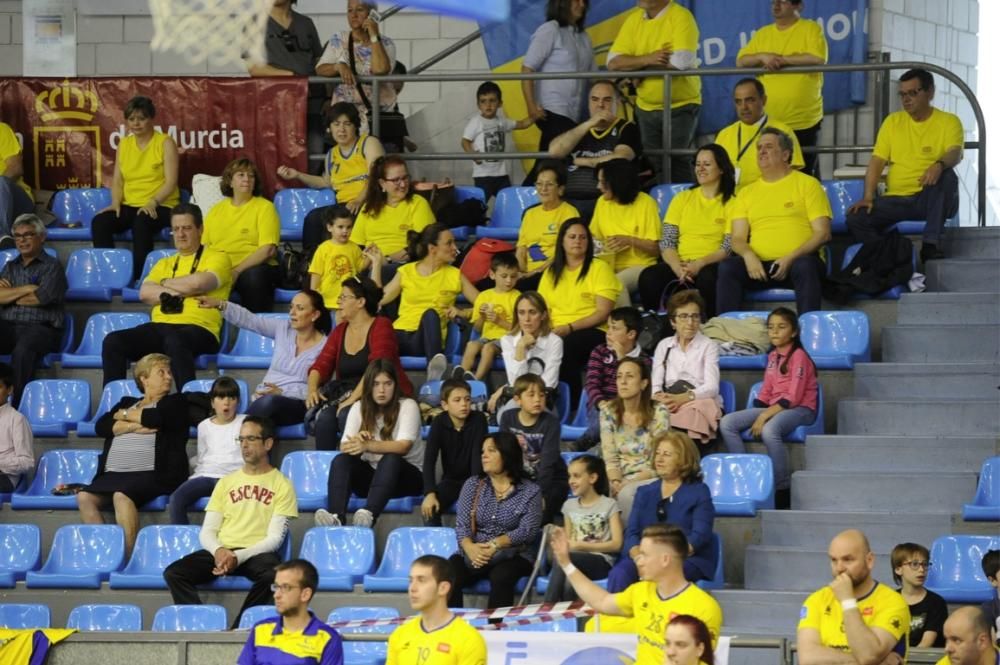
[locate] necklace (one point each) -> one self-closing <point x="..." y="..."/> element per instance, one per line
<point x="501" y="493"/>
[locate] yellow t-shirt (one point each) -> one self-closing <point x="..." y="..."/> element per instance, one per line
<point x="881" y="608"/>
<point x="503" y="304"/>
<point x="9" y="147"/>
<point x="795" y="99"/>
<point x="248" y="503"/>
<point x="239" y="231"/>
<point x="639" y="219"/>
<point x="947" y="661"/>
<point x="779" y="213"/>
<point x="701" y="223"/>
<point x="348" y="173"/>
<point x="652" y="613"/>
<point x="570" y="300"/>
<point x="334" y="263"/>
<point x="640" y="35"/>
<point x="911" y="147"/>
<point x="388" y="230"/>
<point x="455" y="643"/>
<point x="437" y="291"/>
<point x="740" y="138"/>
<point x="539" y="229"/>
<point x="142" y="170"/>
<point x="212" y="261"/>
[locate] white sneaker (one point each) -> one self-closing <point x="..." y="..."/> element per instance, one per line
<point x="437" y="367"/>
<point x="363" y="518"/>
<point x="325" y="518"/>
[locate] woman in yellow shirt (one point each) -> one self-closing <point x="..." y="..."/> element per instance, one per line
<point x="144" y="188"/>
<point x="696" y="232"/>
<point x="245" y="227"/>
<point x="536" y="241"/>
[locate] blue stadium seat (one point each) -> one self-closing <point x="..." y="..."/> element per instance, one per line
<point x="799" y="434"/>
<point x="453" y="339"/>
<point x="284" y="295"/>
<point x="717" y="581"/>
<point x="190" y="618"/>
<point x="98" y="274"/>
<point x="842" y="194"/>
<point x="890" y="294"/>
<point x="53" y="407"/>
<point x="294" y="204"/>
<point x="99" y="326"/>
<point x="557" y="626"/>
<point x="430" y="392"/>
<point x="251" y="350"/>
<point x="664" y="194"/>
<point x="728" y="392"/>
<point x="6" y="255"/>
<point x="483" y="586"/>
<point x="542" y="584"/>
<point x="156" y="547"/>
<point x="77" y="206"/>
<point x="576" y="429"/>
<point x="758" y="361"/>
<point x="206" y="359"/>
<point x="287" y="432"/>
<point x="740" y="484"/>
<point x="106" y="618"/>
<point x="81" y="557"/>
<point x="508" y="209"/>
<point x="464" y="193"/>
<point x="403" y="546"/>
<point x="20" y="551"/>
<point x="130" y="294"/>
<point x="21" y="616"/>
<point x="309" y="470"/>
<point x="836" y="340"/>
<point x="985" y="507"/>
<point x="111" y="395"/>
<point x="343" y="555"/>
<point x="56" y="467"/>
<point x="563" y="402"/>
<point x="568" y="457"/>
<point x="957" y="574"/>
<point x="205" y="385"/>
<point x="252" y="615"/>
<point x="401" y="504"/>
<point x="364" y="653"/>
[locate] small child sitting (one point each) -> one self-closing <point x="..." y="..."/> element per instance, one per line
<point x="492" y="316"/>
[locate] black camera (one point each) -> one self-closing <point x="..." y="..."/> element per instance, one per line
<point x="171" y="304"/>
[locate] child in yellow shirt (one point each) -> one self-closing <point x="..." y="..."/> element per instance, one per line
<point x="492" y="316"/>
<point x="336" y="259"/>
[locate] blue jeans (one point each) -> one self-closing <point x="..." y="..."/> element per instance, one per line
<point x="935" y="204"/>
<point x="683" y="126"/>
<point x="13" y="203"/>
<point x="426" y="340"/>
<point x="772" y="436"/>
<point x="184" y="497"/>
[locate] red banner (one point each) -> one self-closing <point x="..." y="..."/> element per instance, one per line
<point x="70" y="129"/>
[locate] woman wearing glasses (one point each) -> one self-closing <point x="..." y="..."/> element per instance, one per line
<point x="686" y="370"/>
<point x="680" y="499"/>
<point x="536" y="241"/>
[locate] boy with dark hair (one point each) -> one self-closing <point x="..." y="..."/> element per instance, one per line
<point x="457" y="434"/>
<point x="928" y="611"/>
<point x="991" y="608"/>
<point x="16" y="455"/>
<point x="492" y="316"/>
<point x="487" y="132"/>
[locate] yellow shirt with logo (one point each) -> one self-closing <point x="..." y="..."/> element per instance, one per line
<point x="881" y="608"/>
<point x="455" y="643"/>
<point x="212" y="261"/>
<point x="742" y="138"/>
<point x="651" y="613"/>
<point x="539" y="229"/>
<point x="239" y="231"/>
<point x="437" y="291"/>
<point x="910" y="147"/>
<point x="780" y="212"/>
<point x="640" y="35"/>
<point x="639" y="219"/>
<point x="795" y="99"/>
<point x="348" y="173"/>
<point x="571" y="300"/>
<point x="248" y="503"/>
<point x="143" y="171"/>
<point x="503" y="305"/>
<point x="334" y="263"/>
<point x="10" y="147"/>
<point x="388" y="230"/>
<point x="701" y="223"/>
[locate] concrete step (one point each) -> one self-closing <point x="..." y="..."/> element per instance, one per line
<point x="899" y="453"/>
<point x="757" y="612"/>
<point x="950" y="417"/>
<point x="813" y="530"/>
<point x="925" y="380"/>
<point x="972" y="242"/>
<point x="963" y="275"/>
<point x="794" y="569"/>
<point x="936" y="343"/>
<point x="949" y="308"/>
<point x="902" y="491"/>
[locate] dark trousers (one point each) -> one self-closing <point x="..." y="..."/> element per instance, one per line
<point x="809" y="138"/>
<point x="182" y="342"/>
<point x="447" y="492"/>
<point x="654" y="280"/>
<point x="503" y="577"/>
<point x="683" y="125"/>
<point x="492" y="184"/>
<point x="14" y="202"/>
<point x="280" y="409"/>
<point x="26" y="343"/>
<point x="144" y="231"/>
<point x="256" y="287"/>
<point x="7" y="486"/>
<point x="426" y="340"/>
<point x="576" y="352"/>
<point x="329" y="424"/>
<point x="935" y="204"/>
<point x="805" y="277"/>
<point x="591" y="564"/>
<point x="183" y="576"/>
<point x="186" y="494"/>
<point x="391" y="478"/>
<point x="314" y="230"/>
<point x="551" y="126"/>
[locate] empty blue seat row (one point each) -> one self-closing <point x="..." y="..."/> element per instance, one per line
<point x="80" y="206"/>
<point x="834" y="339"/>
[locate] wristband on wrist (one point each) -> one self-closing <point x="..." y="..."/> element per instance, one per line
<point x="569" y="569"/>
<point x="849" y="604"/>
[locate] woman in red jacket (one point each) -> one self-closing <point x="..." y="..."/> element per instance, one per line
<point x="358" y="339"/>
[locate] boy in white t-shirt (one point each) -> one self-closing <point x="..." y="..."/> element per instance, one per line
<point x="487" y="132"/>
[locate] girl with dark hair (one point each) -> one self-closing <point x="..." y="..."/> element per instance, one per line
<point x="688" y="641"/>
<point x="298" y="340"/>
<point x="498" y="519"/>
<point x="536" y="240"/>
<point x="381" y="455"/>
<point x="787" y="399"/>
<point x="696" y="232"/>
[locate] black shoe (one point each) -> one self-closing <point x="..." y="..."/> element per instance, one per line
<point x="929" y="252"/>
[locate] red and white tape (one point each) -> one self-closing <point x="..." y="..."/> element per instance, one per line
<point x="520" y="615"/>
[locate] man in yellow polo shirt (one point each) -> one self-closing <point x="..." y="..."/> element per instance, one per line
<point x="854" y="619"/>
<point x="780" y="223"/>
<point x="922" y="146"/>
<point x="15" y="196"/>
<point x="967" y="639"/>
<point x="661" y="34"/>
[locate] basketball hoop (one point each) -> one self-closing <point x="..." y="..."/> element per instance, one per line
<point x="218" y="30"/>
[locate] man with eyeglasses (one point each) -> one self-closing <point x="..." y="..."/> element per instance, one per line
<point x="968" y="640"/>
<point x="32" y="289"/>
<point x="296" y="636"/>
<point x="246" y="521"/>
<point x="922" y="145"/>
<point x="928" y="611"/>
<point x="854" y="619"/>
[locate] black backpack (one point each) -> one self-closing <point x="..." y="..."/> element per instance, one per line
<point x="294" y="267"/>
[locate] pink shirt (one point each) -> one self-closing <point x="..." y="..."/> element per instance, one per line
<point x="797" y="387"/>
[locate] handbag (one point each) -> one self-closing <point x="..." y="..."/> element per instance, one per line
<point x="678" y="387"/>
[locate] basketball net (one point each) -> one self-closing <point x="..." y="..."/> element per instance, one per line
<point x="217" y="30"/>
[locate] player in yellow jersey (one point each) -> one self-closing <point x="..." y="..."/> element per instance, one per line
<point x="436" y="636"/>
<point x="854" y="619"/>
<point x="967" y="639"/>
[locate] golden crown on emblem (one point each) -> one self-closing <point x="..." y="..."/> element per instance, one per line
<point x="66" y="101"/>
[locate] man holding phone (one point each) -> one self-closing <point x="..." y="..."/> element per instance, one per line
<point x="779" y="224"/>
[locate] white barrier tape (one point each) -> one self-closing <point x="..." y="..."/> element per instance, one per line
<point x="518" y="615"/>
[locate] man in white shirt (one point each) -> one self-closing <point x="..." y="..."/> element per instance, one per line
<point x="16" y="456"/>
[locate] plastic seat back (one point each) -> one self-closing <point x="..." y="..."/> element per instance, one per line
<point x="986" y="504"/>
<point x="156" y="547"/>
<point x="99" y="326"/>
<point x="111" y="395"/>
<point x="842" y="194"/>
<point x="21" y="616"/>
<point x="364" y="652"/>
<point x="342" y="555"/>
<point x="664" y="194"/>
<point x="510" y="204"/>
<point x="718" y="580"/>
<point x="251" y="349"/>
<point x="465" y="192"/>
<point x="190" y="618"/>
<point x="799" y="434"/>
<point x="294" y="204"/>
<point x="98" y="274"/>
<point x="957" y="574"/>
<point x="20" y="551"/>
<point x="557" y="626"/>
<point x="740" y="484"/>
<point x="105" y="618"/>
<point x="205" y="386"/>
<point x="54" y="468"/>
<point x="252" y="615"/>
<point x="403" y="545"/>
<point x="81" y="556"/>
<point x="728" y="393"/>
<point x="54" y="406"/>
<point x="77" y="206"/>
<point x="836" y="340"/>
<point x="309" y="470"/>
